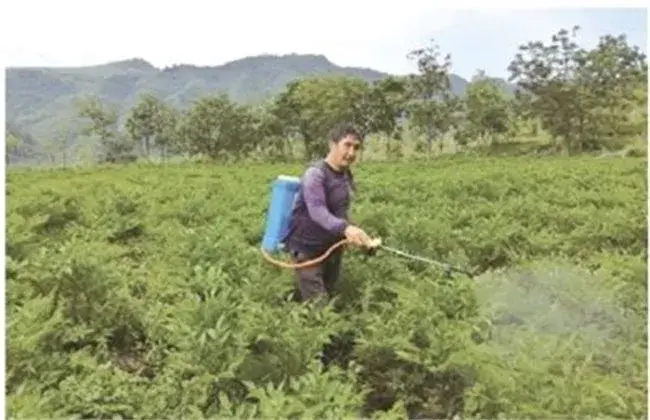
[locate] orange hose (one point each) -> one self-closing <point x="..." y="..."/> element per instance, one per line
<point x="307" y="263"/>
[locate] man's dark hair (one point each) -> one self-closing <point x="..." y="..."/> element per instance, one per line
<point x="342" y="131"/>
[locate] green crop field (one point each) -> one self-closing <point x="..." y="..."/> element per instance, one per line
<point x="140" y="292"/>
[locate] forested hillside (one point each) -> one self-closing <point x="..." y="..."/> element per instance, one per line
<point x="38" y="99"/>
<point x="282" y="107"/>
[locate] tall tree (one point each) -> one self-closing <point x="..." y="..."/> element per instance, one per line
<point x="488" y="109"/>
<point x="311" y="107"/>
<point x="152" y="123"/>
<point x="582" y="97"/>
<point x="270" y="130"/>
<point x="389" y="97"/>
<point x="167" y="136"/>
<point x="142" y="122"/>
<point x="432" y="106"/>
<point x="63" y="142"/>
<point x="102" y="123"/>
<point x="615" y="73"/>
<point x="12" y="144"/>
<point x="215" y="126"/>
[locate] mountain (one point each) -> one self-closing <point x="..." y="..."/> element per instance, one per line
<point x="40" y="100"/>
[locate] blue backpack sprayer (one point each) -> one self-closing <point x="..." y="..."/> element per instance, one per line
<point x="283" y="194"/>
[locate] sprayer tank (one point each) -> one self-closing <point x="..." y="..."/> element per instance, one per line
<point x="283" y="194"/>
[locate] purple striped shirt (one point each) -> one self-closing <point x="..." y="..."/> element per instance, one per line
<point x="320" y="213"/>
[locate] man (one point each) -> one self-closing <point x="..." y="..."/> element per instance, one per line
<point x="320" y="215"/>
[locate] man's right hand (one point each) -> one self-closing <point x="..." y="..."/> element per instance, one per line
<point x="357" y="236"/>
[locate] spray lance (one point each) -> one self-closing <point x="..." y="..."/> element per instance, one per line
<point x="448" y="269"/>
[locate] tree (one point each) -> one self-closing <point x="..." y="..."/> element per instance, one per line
<point x="103" y="124"/>
<point x="310" y="108"/>
<point x="152" y="123"/>
<point x="142" y="123"/>
<point x="615" y="73"/>
<point x="214" y="126"/>
<point x="488" y="109"/>
<point x="583" y="98"/>
<point x="22" y="145"/>
<point x="432" y="105"/>
<point x="270" y="130"/>
<point x="61" y="144"/>
<point x="12" y="144"/>
<point x="389" y="97"/>
<point x="167" y="138"/>
<point x="102" y="120"/>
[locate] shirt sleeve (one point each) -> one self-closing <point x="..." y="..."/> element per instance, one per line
<point x="314" y="195"/>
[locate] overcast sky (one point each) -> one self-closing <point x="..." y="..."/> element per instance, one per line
<point x="349" y="33"/>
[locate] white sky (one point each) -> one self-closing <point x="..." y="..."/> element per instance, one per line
<point x="350" y="33"/>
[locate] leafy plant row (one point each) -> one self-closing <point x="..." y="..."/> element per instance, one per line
<point x="141" y="293"/>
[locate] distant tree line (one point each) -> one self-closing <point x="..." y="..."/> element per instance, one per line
<point x="584" y="99"/>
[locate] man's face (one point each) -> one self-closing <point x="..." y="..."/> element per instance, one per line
<point x="345" y="151"/>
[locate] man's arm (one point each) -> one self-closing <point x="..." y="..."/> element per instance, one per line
<point x="314" y="194"/>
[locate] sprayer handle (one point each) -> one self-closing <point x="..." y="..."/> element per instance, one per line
<point x="375" y="243"/>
